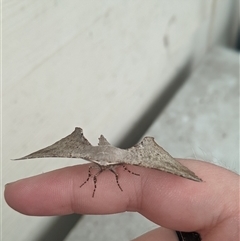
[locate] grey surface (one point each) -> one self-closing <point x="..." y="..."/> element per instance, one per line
<point x="200" y="122"/>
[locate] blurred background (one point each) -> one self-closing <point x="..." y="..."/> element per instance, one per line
<point x="119" y="68"/>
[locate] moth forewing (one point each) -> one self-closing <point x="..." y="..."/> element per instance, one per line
<point x="149" y="154"/>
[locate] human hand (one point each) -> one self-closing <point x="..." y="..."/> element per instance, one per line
<point x="210" y="208"/>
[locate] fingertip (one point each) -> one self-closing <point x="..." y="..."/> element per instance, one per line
<point x="10" y="194"/>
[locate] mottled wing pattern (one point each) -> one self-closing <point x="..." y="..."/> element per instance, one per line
<point x="74" y="145"/>
<point x="149" y="154"/>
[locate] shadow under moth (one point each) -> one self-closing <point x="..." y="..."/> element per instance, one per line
<point x="146" y="153"/>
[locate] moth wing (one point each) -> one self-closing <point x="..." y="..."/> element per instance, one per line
<point x="71" y="146"/>
<point x="149" y="154"/>
<point x="103" y="141"/>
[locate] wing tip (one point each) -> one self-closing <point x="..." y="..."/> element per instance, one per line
<point x="195" y="178"/>
<point x="15" y="159"/>
<point x="23" y="158"/>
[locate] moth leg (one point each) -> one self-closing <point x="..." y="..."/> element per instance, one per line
<point x="89" y="175"/>
<point x="94" y="177"/>
<point x="126" y="169"/>
<point x="116" y="176"/>
<point x="95" y="181"/>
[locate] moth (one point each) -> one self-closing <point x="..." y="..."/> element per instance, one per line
<point x="146" y="153"/>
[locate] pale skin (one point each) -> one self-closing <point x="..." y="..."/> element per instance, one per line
<point x="210" y="208"/>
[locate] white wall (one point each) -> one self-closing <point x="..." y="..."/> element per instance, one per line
<point x="93" y="64"/>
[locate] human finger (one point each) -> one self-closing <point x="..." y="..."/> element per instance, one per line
<point x="168" y="200"/>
